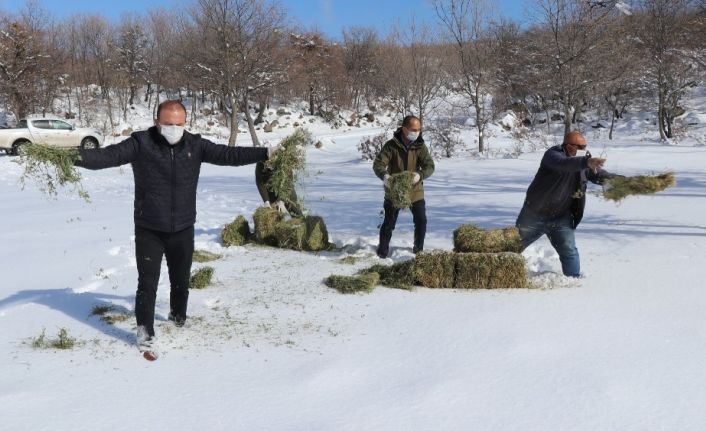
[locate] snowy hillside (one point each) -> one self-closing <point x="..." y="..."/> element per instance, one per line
<point x="271" y="347"/>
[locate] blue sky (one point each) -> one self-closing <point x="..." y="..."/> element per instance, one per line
<point x="329" y="16"/>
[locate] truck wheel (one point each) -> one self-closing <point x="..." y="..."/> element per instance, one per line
<point x="89" y="143"/>
<point x="16" y="147"/>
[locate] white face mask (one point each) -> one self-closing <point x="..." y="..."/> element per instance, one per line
<point x="172" y="134"/>
<point x="581" y="153"/>
<point x="412" y="136"/>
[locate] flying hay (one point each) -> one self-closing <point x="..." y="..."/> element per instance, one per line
<point x="50" y="168"/>
<point x="286" y="165"/>
<point x="618" y="188"/>
<point x="469" y="238"/>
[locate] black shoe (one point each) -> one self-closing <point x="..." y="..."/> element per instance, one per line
<point x="178" y="320"/>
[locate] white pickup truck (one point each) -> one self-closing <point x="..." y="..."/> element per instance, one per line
<point x="48" y="131"/>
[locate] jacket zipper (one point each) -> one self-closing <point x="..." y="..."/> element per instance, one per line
<point x="171" y="151"/>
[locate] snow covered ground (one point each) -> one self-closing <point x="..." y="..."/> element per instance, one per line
<point x="270" y="347"/>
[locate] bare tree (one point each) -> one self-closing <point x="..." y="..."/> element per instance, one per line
<point x="359" y="48"/>
<point x="661" y="31"/>
<point x="466" y="22"/>
<point x="241" y="42"/>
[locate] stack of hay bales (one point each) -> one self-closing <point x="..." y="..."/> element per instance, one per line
<point x="618" y="188"/>
<point x="307" y="233"/>
<point x="482" y="259"/>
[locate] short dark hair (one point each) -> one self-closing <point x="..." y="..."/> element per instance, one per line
<point x="169" y="104"/>
<point x="408" y="119"/>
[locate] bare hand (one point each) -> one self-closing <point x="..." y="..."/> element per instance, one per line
<point x="595" y="163"/>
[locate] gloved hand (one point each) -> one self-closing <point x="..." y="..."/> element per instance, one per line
<point x="416" y="178"/>
<point x="386" y="180"/>
<point x="267" y="204"/>
<point x="279" y="206"/>
<point x="272" y="150"/>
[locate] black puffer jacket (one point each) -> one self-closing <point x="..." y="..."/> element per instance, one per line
<point x="560" y="185"/>
<point x="166" y="176"/>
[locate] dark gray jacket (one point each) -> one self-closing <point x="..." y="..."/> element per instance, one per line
<point x="560" y="185"/>
<point x="166" y="176"/>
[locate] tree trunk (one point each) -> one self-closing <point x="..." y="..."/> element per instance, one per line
<point x="312" y="108"/>
<point x="251" y="124"/>
<point x="612" y="122"/>
<point x="233" y="121"/>
<point x="660" y="118"/>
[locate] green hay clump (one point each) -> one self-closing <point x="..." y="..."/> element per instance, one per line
<point x="316" y="234"/>
<point x="400" y="189"/>
<point x="236" y="233"/>
<point x="51" y="168"/>
<point x="291" y="234"/>
<point x="202" y="256"/>
<point x="435" y="269"/>
<point x="349" y="260"/>
<point x="490" y="271"/>
<point x="353" y="283"/>
<point x="618" y="188"/>
<point x="469" y="238"/>
<point x="201" y="278"/>
<point x="397" y="276"/>
<point x="287" y="164"/>
<point x="108" y="314"/>
<point x="266" y="220"/>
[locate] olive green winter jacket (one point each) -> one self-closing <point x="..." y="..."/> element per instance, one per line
<point x="394" y="158"/>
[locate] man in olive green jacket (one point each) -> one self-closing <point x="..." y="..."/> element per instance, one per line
<point x="404" y="152"/>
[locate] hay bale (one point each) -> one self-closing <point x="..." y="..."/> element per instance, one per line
<point x="266" y="220"/>
<point x="202" y="256"/>
<point x="490" y="271"/>
<point x="397" y="276"/>
<point x="291" y="234"/>
<point x="237" y="232"/>
<point x="400" y="189"/>
<point x="316" y="234"/>
<point x="618" y="188"/>
<point x="50" y="168"/>
<point x="469" y="238"/>
<point x="353" y="283"/>
<point x="435" y="269"/>
<point x="201" y="278"/>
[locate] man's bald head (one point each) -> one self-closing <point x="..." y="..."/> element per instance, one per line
<point x="574" y="141"/>
<point x="174" y="107"/>
<point x="574" y="138"/>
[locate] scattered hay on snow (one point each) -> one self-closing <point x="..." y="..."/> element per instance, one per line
<point x="353" y="283"/>
<point x="618" y="188"/>
<point x="400" y="190"/>
<point x="50" y="168"/>
<point x="236" y="233"/>
<point x="397" y="276"/>
<point x="201" y="278"/>
<point x="202" y="256"/>
<point x="469" y="238"/>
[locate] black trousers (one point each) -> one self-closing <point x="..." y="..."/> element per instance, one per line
<point x="419" y="216"/>
<point x="150" y="246"/>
